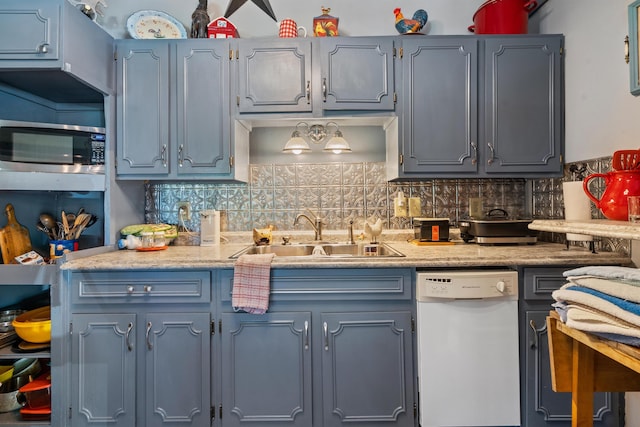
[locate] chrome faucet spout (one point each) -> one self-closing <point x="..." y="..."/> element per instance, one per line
<point x="350" y="240"/>
<point x="317" y="225"/>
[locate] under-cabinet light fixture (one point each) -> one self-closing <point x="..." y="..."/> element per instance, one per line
<point x="316" y="133"/>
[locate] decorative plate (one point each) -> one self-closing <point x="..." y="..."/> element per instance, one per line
<point x="152" y="249"/>
<point x="153" y="24"/>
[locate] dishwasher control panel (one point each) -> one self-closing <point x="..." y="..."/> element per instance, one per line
<point x="466" y="284"/>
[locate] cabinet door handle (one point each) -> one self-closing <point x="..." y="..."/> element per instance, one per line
<point x="534" y="341"/>
<point x="326" y="336"/>
<point x="308" y="91"/>
<point x="180" y="155"/>
<point x="130" y="289"/>
<point x="306" y="335"/>
<point x="493" y="153"/>
<point x="147" y="336"/>
<point x="324" y="89"/>
<point x="43" y="48"/>
<point x="128" y="336"/>
<point x="148" y="288"/>
<point x="163" y="155"/>
<point x="474" y="146"/>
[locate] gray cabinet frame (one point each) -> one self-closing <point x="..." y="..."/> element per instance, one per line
<point x="541" y="406"/>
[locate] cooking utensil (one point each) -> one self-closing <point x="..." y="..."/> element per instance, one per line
<point x="502" y="17"/>
<point x="65" y="225"/>
<point x="625" y="160"/>
<point x="497" y="227"/>
<point x="42" y="228"/>
<point x="14" y="238"/>
<point x="51" y="224"/>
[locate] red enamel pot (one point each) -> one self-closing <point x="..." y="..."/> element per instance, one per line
<point x="502" y="17"/>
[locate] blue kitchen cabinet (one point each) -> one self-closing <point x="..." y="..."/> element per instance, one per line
<point x="273" y="75"/>
<point x="140" y="348"/>
<point x="335" y="348"/>
<point x="541" y="406"/>
<point x="439" y="117"/>
<point x="316" y="76"/>
<point x="50" y="48"/>
<point x="266" y="373"/>
<point x="173" y="110"/>
<point x="481" y="106"/>
<point x="365" y="360"/>
<point x="521" y="115"/>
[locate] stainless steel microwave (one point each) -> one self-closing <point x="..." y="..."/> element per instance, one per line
<point x="48" y="147"/>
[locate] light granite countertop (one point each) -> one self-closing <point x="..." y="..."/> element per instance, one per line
<point x="594" y="227"/>
<point x="463" y="255"/>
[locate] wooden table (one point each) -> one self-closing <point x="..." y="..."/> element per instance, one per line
<point x="582" y="363"/>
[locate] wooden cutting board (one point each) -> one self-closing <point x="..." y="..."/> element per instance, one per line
<point x="14" y="238"/>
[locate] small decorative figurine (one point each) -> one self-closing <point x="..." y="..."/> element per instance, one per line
<point x="199" y="21"/>
<point x="410" y="26"/>
<point x="373" y="229"/>
<point x="91" y="8"/>
<point x="325" y="25"/>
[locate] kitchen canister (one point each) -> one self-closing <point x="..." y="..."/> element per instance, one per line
<point x="577" y="206"/>
<point x="209" y="228"/>
<point x="58" y="248"/>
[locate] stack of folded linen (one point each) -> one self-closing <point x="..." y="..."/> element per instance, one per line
<point x="602" y="300"/>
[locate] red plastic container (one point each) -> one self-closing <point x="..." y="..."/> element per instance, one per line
<point x="502" y="17"/>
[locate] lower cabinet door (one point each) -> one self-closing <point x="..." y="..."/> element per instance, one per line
<point x="266" y="369"/>
<point x="177" y="364"/>
<point x="103" y="370"/>
<point x="367" y="369"/>
<point x="543" y="407"/>
<point x="141" y="369"/>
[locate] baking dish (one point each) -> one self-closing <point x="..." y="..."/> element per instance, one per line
<point x="37" y="393"/>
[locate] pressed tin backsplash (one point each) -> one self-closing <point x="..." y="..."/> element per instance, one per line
<point x="340" y="192"/>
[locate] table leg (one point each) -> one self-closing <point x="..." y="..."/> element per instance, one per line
<point x="582" y="386"/>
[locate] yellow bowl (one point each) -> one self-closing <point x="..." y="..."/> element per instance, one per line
<point x="6" y="372"/>
<point x="35" y="325"/>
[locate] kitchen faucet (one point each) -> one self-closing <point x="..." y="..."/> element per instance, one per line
<point x="316" y="224"/>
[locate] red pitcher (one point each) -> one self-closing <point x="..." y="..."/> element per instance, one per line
<point x="619" y="186"/>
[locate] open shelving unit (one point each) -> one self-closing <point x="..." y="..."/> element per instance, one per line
<point x="19" y="283"/>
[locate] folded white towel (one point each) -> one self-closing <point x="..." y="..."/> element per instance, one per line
<point x="600" y="304"/>
<point x="617" y="288"/>
<point x="591" y="320"/>
<point x="608" y="272"/>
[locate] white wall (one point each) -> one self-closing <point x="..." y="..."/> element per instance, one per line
<point x="601" y="115"/>
<point x="357" y="17"/>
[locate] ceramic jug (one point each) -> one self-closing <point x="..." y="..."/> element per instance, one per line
<point x="618" y="186"/>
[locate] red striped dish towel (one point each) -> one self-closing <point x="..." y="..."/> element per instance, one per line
<point x="251" y="285"/>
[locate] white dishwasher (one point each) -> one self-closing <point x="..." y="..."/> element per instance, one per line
<point x="468" y="363"/>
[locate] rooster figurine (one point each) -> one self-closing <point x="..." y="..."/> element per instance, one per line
<point x="373" y="229"/>
<point x="410" y="26"/>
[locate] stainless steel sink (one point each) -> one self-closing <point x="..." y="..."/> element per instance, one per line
<point x="321" y="250"/>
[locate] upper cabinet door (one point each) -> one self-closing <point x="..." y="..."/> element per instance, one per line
<point x="143" y="107"/>
<point x="203" y="143"/>
<point x="274" y="75"/>
<point x="357" y="73"/>
<point x="523" y="105"/>
<point x="29" y="31"/>
<point x="439" y="105"/>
